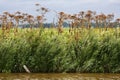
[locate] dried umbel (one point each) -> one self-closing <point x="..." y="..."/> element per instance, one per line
<point x="18" y="12"/>
<point x="39" y="19"/>
<point x="61" y="13"/>
<point x="44" y="9"/>
<point x="118" y="20"/>
<point x="11" y="15"/>
<point x="6" y="21"/>
<point x="29" y="16"/>
<point x="61" y="19"/>
<point x="81" y="14"/>
<point x="37" y="4"/>
<point x="6" y="13"/>
<point x="41" y="10"/>
<point x="89" y="12"/>
<point x="17" y="18"/>
<point x="109" y="18"/>
<point x="89" y="16"/>
<point x="30" y="20"/>
<point x="102" y="17"/>
<point x="24" y="14"/>
<point x="4" y="18"/>
<point x="82" y="19"/>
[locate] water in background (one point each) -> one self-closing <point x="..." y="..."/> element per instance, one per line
<point x="56" y="76"/>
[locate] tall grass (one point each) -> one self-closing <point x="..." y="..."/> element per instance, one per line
<point x="44" y="50"/>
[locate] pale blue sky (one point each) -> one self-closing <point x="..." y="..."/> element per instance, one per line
<point x="68" y="6"/>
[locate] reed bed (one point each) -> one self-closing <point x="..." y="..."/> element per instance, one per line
<point x="44" y="50"/>
<point x="80" y="48"/>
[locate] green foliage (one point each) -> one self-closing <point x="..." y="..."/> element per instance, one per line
<point x="44" y="50"/>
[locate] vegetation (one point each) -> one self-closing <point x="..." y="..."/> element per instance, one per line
<point x="78" y="48"/>
<point x="45" y="50"/>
